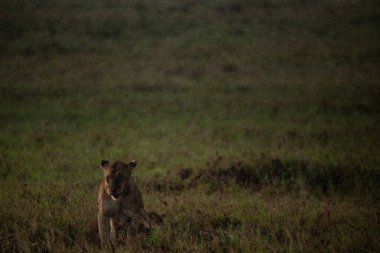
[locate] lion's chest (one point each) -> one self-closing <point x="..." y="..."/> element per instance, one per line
<point x="124" y="209"/>
<point x="121" y="220"/>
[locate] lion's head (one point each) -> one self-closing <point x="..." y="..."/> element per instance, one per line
<point x="117" y="176"/>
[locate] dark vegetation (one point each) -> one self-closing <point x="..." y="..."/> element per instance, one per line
<point x="290" y="176"/>
<point x="254" y="123"/>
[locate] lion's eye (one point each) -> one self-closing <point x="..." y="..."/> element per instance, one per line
<point x="108" y="178"/>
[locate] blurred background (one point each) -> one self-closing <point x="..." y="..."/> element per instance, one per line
<point x="177" y="84"/>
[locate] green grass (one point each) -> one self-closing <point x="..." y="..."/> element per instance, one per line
<point x="272" y="105"/>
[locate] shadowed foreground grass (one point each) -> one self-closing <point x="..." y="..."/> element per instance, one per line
<point x="254" y="123"/>
<point x="212" y="215"/>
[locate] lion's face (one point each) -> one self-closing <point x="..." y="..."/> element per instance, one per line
<point x="117" y="176"/>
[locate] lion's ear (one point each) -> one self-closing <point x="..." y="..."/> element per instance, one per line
<point x="132" y="164"/>
<point x="104" y="163"/>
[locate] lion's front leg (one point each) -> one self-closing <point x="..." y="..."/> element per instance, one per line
<point x="113" y="234"/>
<point x="118" y="232"/>
<point x="104" y="232"/>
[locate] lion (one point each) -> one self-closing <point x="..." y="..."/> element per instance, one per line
<point x="120" y="202"/>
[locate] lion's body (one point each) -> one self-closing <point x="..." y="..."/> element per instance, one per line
<point x="120" y="203"/>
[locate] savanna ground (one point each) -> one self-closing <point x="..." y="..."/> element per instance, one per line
<point x="255" y="124"/>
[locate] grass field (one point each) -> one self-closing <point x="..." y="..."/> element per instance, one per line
<point x="255" y="124"/>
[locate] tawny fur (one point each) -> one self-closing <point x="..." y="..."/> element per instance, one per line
<point x="120" y="203"/>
